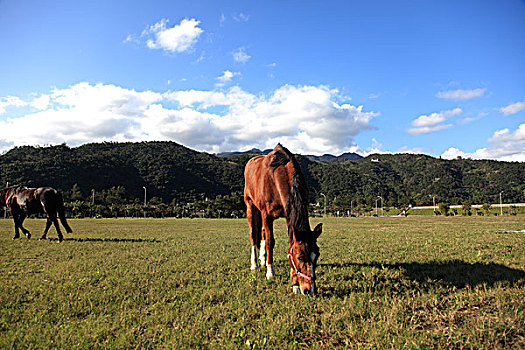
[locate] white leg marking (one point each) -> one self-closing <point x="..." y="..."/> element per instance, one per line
<point x="295" y="289"/>
<point x="270" y="272"/>
<point x="254" y="258"/>
<point x="262" y="253"/>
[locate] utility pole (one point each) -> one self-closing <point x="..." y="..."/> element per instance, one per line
<point x="144" y="187"/>
<point x="381" y="205"/>
<point x="500" y="204"/>
<point x="5" y="209"/>
<point x="92" y="200"/>
<point x="322" y="194"/>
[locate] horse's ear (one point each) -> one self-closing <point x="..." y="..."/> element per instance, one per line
<point x="318" y="230"/>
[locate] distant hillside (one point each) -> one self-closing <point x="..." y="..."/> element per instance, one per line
<point x="323" y="158"/>
<point x="171" y="171"/>
<point x="239" y="153"/>
<point x="168" y="170"/>
<point x="330" y="157"/>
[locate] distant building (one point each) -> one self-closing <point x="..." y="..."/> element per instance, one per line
<point x="375" y="160"/>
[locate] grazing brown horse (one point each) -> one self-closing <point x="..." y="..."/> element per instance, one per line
<point x="22" y="201"/>
<point x="276" y="187"/>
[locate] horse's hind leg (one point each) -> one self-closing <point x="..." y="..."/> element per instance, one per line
<point x="51" y="212"/>
<point x="48" y="225"/>
<point x="52" y="217"/>
<point x="254" y="222"/>
<point x="57" y="227"/>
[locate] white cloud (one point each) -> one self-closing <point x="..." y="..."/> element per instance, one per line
<point x="226" y="77"/>
<point x="180" y="38"/>
<point x="240" y="55"/>
<point x="513" y="108"/>
<point x="429" y="129"/>
<point x="425" y="124"/>
<point x="504" y="145"/>
<point x="461" y="94"/>
<point x="41" y="102"/>
<point x="308" y="119"/>
<point x="197" y="98"/>
<point x="241" y="17"/>
<point x="413" y="150"/>
<point x="435" y="118"/>
<point x="10" y="101"/>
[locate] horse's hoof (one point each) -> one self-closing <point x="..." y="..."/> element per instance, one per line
<point x="270" y="272"/>
<point x="28" y="235"/>
<point x="42" y="238"/>
<point x="270" y="275"/>
<point x="296" y="289"/>
<point x="16" y="237"/>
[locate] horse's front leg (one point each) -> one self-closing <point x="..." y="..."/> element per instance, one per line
<point x="21" y="219"/>
<point x="254" y="222"/>
<point x="270" y="243"/>
<point x="18" y="219"/>
<point x="17" y="230"/>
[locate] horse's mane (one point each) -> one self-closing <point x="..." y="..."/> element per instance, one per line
<point x="297" y="202"/>
<point x="5" y="189"/>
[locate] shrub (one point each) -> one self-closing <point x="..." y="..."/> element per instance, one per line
<point x="444" y="208"/>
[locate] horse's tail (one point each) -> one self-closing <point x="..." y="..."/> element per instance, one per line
<point x="61" y="213"/>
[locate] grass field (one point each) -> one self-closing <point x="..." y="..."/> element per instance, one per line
<point x="416" y="282"/>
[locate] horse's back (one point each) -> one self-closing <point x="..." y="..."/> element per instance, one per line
<point x="263" y="185"/>
<point x="45" y="192"/>
<point x="252" y="177"/>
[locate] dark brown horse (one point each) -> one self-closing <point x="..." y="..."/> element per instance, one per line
<point x="22" y="201"/>
<point x="276" y="187"/>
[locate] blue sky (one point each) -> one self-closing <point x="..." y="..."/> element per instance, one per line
<point x="442" y="78"/>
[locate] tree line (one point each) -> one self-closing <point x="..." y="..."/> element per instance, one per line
<point x="114" y="202"/>
<point x="108" y="179"/>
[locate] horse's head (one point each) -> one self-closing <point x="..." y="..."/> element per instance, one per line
<point x="302" y="256"/>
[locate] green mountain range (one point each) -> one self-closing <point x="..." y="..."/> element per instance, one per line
<point x="171" y="171"/>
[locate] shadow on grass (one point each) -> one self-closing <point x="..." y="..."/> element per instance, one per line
<point x="453" y="273"/>
<point x="118" y="240"/>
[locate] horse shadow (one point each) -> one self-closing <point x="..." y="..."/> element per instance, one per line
<point x="455" y="274"/>
<point x="114" y="240"/>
